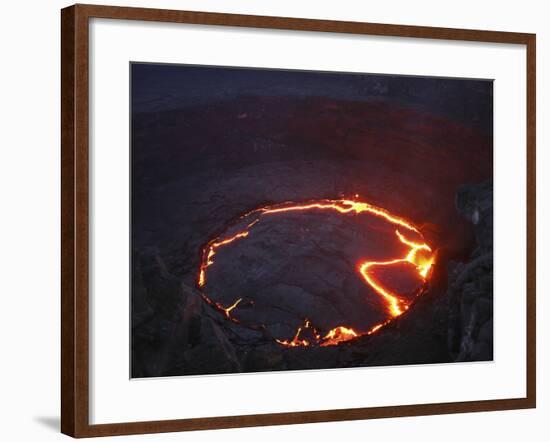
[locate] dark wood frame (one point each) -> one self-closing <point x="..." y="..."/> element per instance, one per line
<point x="74" y="219"/>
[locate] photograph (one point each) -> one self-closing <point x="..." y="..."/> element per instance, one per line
<point x="296" y="220"/>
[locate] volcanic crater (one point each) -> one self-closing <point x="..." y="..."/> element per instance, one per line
<point x="323" y="271"/>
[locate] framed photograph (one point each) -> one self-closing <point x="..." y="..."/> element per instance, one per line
<point x="273" y="220"/>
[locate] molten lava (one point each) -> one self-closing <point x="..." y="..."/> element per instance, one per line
<point x="419" y="255"/>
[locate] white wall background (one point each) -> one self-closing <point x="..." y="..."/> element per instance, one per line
<point x="29" y="217"/>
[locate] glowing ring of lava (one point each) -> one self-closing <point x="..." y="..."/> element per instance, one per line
<point x="420" y="255"/>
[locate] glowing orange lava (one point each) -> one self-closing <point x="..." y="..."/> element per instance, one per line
<point x="225" y="310"/>
<point x="211" y="251"/>
<point x="419" y="255"/>
<point x="337" y="335"/>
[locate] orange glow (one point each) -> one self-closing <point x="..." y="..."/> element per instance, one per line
<point x="418" y="254"/>
<point x="225" y="310"/>
<point x="210" y="251"/>
<point x="342" y="206"/>
<point x="333" y="337"/>
<point x="337" y="335"/>
<point x="396" y="305"/>
<point x="375" y="328"/>
<point x="296" y="341"/>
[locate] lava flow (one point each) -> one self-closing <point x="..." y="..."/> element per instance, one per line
<point x="419" y="255"/>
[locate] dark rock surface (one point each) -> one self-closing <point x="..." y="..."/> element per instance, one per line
<point x="301" y="265"/>
<point x="471" y="283"/>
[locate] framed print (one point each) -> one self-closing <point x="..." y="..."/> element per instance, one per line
<point x="273" y="220"/>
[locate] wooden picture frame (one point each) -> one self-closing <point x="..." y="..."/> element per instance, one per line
<point x="75" y="219"/>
